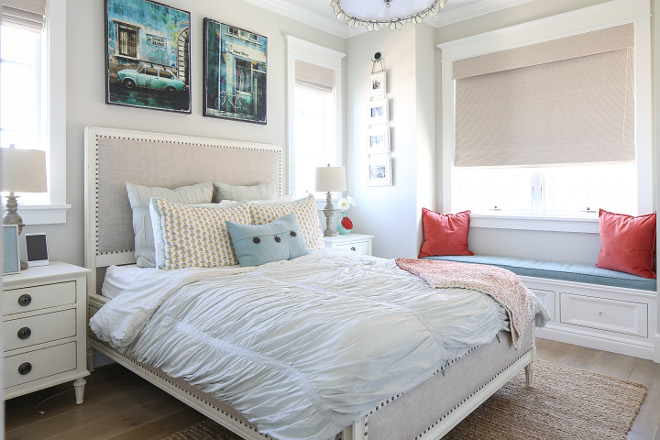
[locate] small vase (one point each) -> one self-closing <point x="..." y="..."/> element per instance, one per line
<point x="345" y="225"/>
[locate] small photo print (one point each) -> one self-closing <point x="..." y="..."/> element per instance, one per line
<point x="379" y="111"/>
<point x="377" y="84"/>
<point x="379" y="139"/>
<point x="379" y="170"/>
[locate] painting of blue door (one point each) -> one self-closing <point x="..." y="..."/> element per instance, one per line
<point x="148" y="55"/>
<point x="234" y="73"/>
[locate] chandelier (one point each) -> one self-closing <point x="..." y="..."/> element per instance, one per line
<point x="374" y="14"/>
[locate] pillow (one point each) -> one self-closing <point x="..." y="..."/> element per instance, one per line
<point x="445" y="234"/>
<point x="225" y="191"/>
<point x="260" y="244"/>
<point x="193" y="236"/>
<point x="139" y="195"/>
<point x="305" y="211"/>
<point x="627" y="243"/>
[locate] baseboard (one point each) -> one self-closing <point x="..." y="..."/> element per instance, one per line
<point x="640" y="349"/>
<point x="656" y="342"/>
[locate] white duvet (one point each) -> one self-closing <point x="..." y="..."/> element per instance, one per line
<point x="302" y="348"/>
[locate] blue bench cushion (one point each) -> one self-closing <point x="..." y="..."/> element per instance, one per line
<point x="581" y="273"/>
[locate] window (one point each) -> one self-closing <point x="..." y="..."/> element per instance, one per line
<point x="33" y="97"/>
<point x="314" y="91"/>
<point x="127" y="40"/>
<point x="550" y="128"/>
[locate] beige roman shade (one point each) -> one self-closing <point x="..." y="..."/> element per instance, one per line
<point x="26" y="14"/>
<point x="314" y="76"/>
<point x="569" y="100"/>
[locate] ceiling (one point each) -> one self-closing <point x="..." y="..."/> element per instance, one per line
<point x="318" y="13"/>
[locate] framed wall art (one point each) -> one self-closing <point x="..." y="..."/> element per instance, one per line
<point x="234" y="73"/>
<point x="379" y="139"/>
<point x="379" y="170"/>
<point x="11" y="261"/>
<point x="147" y="55"/>
<point x="378" y="84"/>
<point x="379" y="111"/>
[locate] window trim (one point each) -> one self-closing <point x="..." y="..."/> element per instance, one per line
<point x="329" y="58"/>
<point x="54" y="212"/>
<point x="571" y="23"/>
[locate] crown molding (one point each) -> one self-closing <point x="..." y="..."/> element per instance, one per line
<point x="483" y="7"/>
<point x="304" y="15"/>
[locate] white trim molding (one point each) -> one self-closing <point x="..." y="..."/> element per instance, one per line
<point x="531" y="223"/>
<point x="591" y="18"/>
<point x="52" y="214"/>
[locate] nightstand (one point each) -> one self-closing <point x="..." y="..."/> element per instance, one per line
<point x="43" y="327"/>
<point x="351" y="242"/>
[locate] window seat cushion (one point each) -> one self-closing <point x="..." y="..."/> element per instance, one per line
<point x="581" y="273"/>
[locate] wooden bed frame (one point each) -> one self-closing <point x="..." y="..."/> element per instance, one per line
<point x="114" y="156"/>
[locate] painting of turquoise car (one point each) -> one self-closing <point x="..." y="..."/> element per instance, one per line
<point x="148" y="77"/>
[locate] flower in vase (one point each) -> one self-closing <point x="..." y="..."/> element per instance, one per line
<point x="343" y="204"/>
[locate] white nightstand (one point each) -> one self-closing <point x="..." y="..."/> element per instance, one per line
<point x="351" y="242"/>
<point x="44" y="331"/>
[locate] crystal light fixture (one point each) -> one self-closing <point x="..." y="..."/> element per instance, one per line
<point x="374" y="14"/>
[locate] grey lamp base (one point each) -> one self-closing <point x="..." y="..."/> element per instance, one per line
<point x="329" y="212"/>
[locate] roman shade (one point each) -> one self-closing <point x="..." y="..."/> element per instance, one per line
<point x="26" y="14"/>
<point x="314" y="76"/>
<point x="569" y="100"/>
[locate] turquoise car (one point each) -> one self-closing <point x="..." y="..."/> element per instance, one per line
<point x="151" y="78"/>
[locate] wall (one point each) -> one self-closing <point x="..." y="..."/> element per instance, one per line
<point x="391" y="212"/>
<point x="86" y="100"/>
<point x="560" y="246"/>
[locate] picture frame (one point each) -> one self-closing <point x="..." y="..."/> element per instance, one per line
<point x="36" y="246"/>
<point x="235" y="73"/>
<point x="379" y="170"/>
<point x="379" y="111"/>
<point x="147" y="58"/>
<point x="11" y="262"/>
<point x="378" y="139"/>
<point x="378" y="84"/>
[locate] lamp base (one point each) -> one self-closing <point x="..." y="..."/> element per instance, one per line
<point x="329" y="212"/>
<point x="11" y="217"/>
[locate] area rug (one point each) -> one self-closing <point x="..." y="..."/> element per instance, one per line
<point x="564" y="404"/>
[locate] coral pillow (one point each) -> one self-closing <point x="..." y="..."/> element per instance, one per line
<point x="445" y="234"/>
<point x="627" y="243"/>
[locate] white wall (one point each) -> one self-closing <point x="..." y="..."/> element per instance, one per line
<point x="391" y="213"/>
<point x="86" y="100"/>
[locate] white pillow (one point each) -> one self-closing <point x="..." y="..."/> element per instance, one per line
<point x="263" y="191"/>
<point x="194" y="236"/>
<point x="139" y="195"/>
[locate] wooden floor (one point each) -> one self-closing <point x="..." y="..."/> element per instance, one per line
<point x="119" y="405"/>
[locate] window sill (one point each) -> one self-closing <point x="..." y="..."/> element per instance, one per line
<point x="584" y="225"/>
<point x="54" y="214"/>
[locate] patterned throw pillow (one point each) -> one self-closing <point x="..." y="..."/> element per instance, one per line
<point x="192" y="236"/>
<point x="305" y="211"/>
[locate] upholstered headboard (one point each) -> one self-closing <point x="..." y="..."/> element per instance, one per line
<point x="114" y="157"/>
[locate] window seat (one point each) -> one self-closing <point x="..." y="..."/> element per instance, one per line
<point x="579" y="273"/>
<point x="588" y="306"/>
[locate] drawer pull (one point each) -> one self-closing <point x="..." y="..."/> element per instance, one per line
<point x="25" y="368"/>
<point x="353" y="248"/>
<point x="24" y="300"/>
<point x="24" y="333"/>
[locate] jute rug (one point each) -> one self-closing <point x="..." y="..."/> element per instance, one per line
<point x="564" y="404"/>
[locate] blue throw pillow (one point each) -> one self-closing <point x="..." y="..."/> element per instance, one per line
<point x="260" y="244"/>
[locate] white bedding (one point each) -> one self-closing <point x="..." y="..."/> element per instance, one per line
<point x="302" y="348"/>
<point x="120" y="278"/>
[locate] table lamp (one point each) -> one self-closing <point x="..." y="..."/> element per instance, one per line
<point x="22" y="171"/>
<point x="330" y="179"/>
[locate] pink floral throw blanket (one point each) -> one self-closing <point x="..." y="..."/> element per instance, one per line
<point x="502" y="285"/>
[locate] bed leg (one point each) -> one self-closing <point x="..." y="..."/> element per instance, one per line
<point x="529" y="374"/>
<point x="357" y="431"/>
<point x="91" y="357"/>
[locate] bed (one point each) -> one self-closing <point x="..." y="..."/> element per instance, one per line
<point x="114" y="157"/>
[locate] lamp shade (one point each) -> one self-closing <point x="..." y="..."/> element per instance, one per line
<point x="330" y="179"/>
<point x="23" y="170"/>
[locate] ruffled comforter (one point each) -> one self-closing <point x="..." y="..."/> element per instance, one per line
<point x="302" y="348"/>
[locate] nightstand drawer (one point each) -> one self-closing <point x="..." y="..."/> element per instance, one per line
<point x="358" y="246"/>
<point x="24" y="332"/>
<point x="629" y="318"/>
<point x="39" y="364"/>
<point x="38" y="297"/>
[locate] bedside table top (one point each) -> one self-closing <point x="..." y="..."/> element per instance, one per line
<point x="347" y="238"/>
<point x="56" y="269"/>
